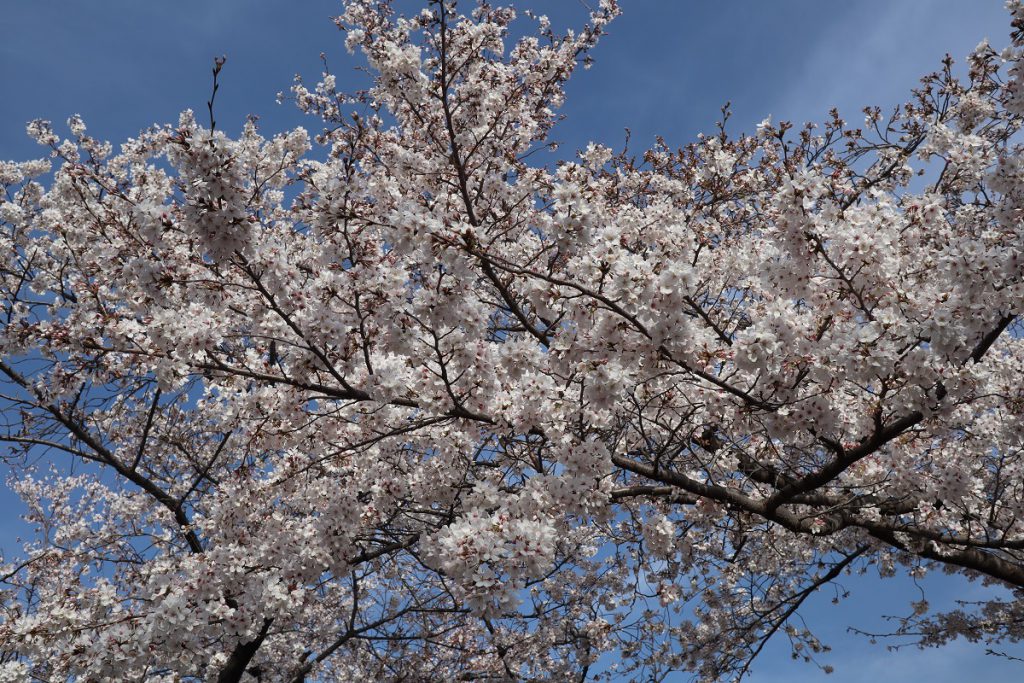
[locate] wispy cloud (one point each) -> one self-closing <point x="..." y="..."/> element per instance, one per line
<point x="879" y="51"/>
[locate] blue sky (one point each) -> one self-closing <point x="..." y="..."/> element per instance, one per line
<point x="666" y="68"/>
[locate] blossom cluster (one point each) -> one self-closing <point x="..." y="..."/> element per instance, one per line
<point x="393" y="402"/>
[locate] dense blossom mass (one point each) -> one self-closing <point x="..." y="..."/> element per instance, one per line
<point x="400" y="403"/>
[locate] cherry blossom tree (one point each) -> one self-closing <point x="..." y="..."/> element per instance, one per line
<point x="399" y="402"/>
